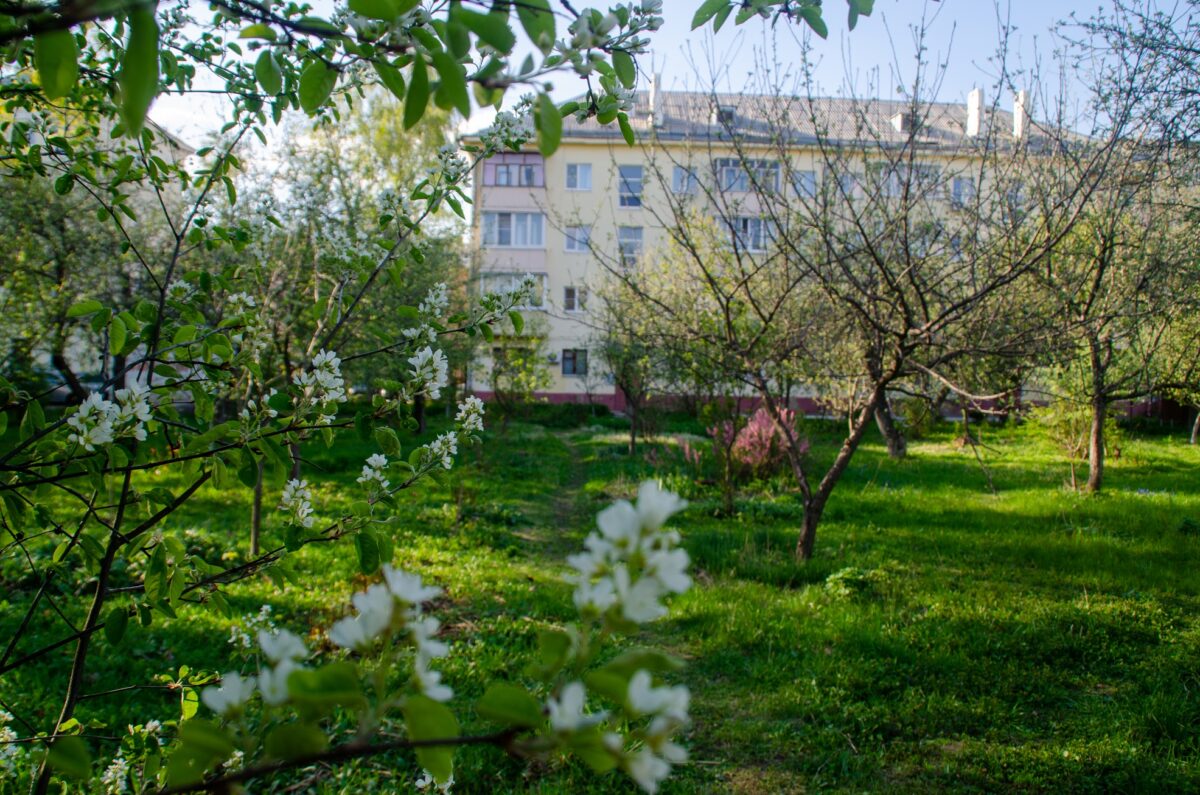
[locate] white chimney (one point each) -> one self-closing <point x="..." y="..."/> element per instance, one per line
<point x="974" y="112"/>
<point x="1020" y="113"/>
<point x="655" y="101"/>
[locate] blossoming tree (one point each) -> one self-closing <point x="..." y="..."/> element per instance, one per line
<point x="78" y="82"/>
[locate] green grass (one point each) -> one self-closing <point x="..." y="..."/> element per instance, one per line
<point x="942" y="639"/>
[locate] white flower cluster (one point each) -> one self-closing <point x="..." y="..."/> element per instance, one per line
<point x="11" y="753"/>
<point x="239" y="304"/>
<point x="427" y="780"/>
<point x="430" y="372"/>
<point x="241" y="635"/>
<point x="284" y="650"/>
<point x="437" y="300"/>
<point x="667" y="708"/>
<point x="397" y="600"/>
<point x="297" y="501"/>
<point x="372" y="473"/>
<point x="180" y="291"/>
<point x="115" y="778"/>
<point x="258" y="411"/>
<point x="450" y="165"/>
<point x="99" y="421"/>
<point x="470" y="415"/>
<point x="324" y="382"/>
<point x="441" y="451"/>
<point x="508" y="131"/>
<point x="633" y="562"/>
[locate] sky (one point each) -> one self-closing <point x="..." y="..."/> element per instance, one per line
<point x="872" y="60"/>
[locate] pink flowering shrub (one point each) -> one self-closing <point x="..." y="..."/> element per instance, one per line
<point x="759" y="448"/>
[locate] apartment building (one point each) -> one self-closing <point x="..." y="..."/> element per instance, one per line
<point x="557" y="217"/>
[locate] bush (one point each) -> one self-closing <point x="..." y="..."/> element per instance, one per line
<point x="760" y="448"/>
<point x="565" y="415"/>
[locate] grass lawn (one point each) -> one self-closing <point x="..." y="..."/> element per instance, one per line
<point x="943" y="638"/>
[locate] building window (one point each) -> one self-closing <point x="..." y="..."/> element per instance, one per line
<point x="752" y="234"/>
<point x="509" y="281"/>
<point x="962" y="191"/>
<point x="574" y="361"/>
<point x="579" y="176"/>
<point x="514" y="170"/>
<point x="513" y="230"/>
<point x="684" y="181"/>
<point x="631" y="186"/>
<point x="577" y="237"/>
<point x="574" y="299"/>
<point x="804" y="183"/>
<point x="847" y="185"/>
<point x="734" y="174"/>
<point x="629" y="242"/>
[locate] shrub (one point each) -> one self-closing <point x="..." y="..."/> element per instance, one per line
<point x="759" y="449"/>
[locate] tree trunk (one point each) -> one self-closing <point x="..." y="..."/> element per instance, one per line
<point x="419" y="412"/>
<point x="1096" y="445"/>
<point x="256" y="512"/>
<point x="1195" y="429"/>
<point x="78" y="393"/>
<point x="632" y="428"/>
<point x="896" y="444"/>
<point x="814" y="504"/>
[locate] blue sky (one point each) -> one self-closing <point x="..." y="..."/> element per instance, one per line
<point x="962" y="34"/>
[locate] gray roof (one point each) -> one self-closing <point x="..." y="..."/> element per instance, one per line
<point x="692" y="115"/>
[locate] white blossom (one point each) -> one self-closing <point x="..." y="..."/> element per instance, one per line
<point x="427" y="780"/>
<point x="11" y="753"/>
<point x="281" y="645"/>
<point x="239" y="303"/>
<point x="180" y="290"/>
<point x="470" y="415"/>
<point x="234" y="691"/>
<point x="442" y="450"/>
<point x="567" y="711"/>
<point x="429" y="372"/>
<point x="132" y="411"/>
<point x="323" y="383"/>
<point x="297" y="500"/>
<point x="374" y="607"/>
<point x="436" y="301"/>
<point x="408" y="587"/>
<point x="273" y="681"/>
<point x="648" y="770"/>
<point x="115" y="778"/>
<point x="372" y="472"/>
<point x="92" y="422"/>
<point x="429" y="681"/>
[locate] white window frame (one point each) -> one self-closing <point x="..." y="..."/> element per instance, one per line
<point x="962" y="191"/>
<point x="804" y="183"/>
<point x="630" y="199"/>
<point x="577" y="239"/>
<point x="492" y="229"/>
<point x="733" y="174"/>
<point x="580" y="173"/>
<point x="577" y="300"/>
<point x="684" y="181"/>
<point x="753" y="234"/>
<point x="622" y="243"/>
<point x="578" y="353"/>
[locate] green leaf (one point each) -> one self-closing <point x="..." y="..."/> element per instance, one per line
<point x="327" y="686"/>
<point x="388" y="441"/>
<point x="626" y="68"/>
<point x="428" y="720"/>
<point x="549" y="125"/>
<point x="812" y="15"/>
<point x="538" y="21"/>
<point x="452" y="91"/>
<point x="418" y="94"/>
<point x="33" y="421"/>
<point x="492" y="29"/>
<point x="390" y="76"/>
<point x="316" y="84"/>
<point x="64" y="184"/>
<point x="368" y="553"/>
<point x="612" y="686"/>
<point x="626" y="129"/>
<point x="554" y="648"/>
<point x="56" y="56"/>
<point x="115" y="623"/>
<point x="84" y="308"/>
<point x="70" y="757"/>
<point x="117" y="334"/>
<point x="630" y="662"/>
<point x="510" y="704"/>
<point x="707" y="10"/>
<point x="295" y="740"/>
<point x="268" y="74"/>
<point x="517" y="320"/>
<point x="206" y="736"/>
<point x="258" y="30"/>
<point x="375" y="9"/>
<point x="138" y="77"/>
